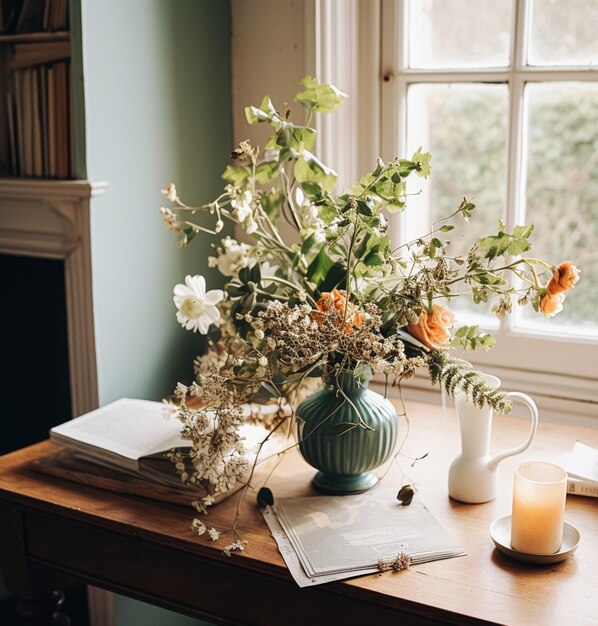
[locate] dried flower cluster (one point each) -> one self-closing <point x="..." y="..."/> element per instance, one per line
<point x="401" y="562"/>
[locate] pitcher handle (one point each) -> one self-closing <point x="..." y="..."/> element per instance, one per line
<point x="533" y="409"/>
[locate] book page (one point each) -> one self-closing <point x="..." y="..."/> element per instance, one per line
<point x="129" y="428"/>
<point x="583" y="463"/>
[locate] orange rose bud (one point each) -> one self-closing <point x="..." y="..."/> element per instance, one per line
<point x="432" y="327"/>
<point x="551" y="304"/>
<point x="564" y="278"/>
<point x="335" y="304"/>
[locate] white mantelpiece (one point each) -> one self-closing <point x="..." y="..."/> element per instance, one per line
<point x="50" y="219"/>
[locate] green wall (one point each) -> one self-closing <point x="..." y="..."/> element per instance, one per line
<point x="157" y="109"/>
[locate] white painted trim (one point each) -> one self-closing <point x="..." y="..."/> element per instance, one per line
<point x="341" y="47"/>
<point x="50" y="219"/>
<point x="563" y="399"/>
<point x="101" y="607"/>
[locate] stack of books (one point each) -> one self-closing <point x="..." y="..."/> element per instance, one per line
<point x="135" y="437"/>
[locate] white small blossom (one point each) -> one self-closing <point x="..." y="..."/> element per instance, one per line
<point x="501" y="306"/>
<point x="242" y="206"/>
<point x="214" y="534"/>
<point x="238" y="545"/>
<point x="263" y="361"/>
<point x="171" y="221"/>
<point x="267" y="270"/>
<point x="299" y="196"/>
<point x="196" y="307"/>
<point x="198" y="527"/>
<point x="170" y="192"/>
<point x="259" y="334"/>
<point x="180" y="391"/>
<point x="232" y="258"/>
<point x="250" y="226"/>
<point x="319" y="236"/>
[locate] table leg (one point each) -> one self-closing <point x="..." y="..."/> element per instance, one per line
<point x="38" y="601"/>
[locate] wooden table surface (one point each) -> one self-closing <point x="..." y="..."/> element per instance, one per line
<point x="145" y="549"/>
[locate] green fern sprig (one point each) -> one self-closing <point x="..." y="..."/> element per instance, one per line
<point x="455" y="375"/>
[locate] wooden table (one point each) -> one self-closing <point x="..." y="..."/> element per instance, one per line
<point x="144" y="549"/>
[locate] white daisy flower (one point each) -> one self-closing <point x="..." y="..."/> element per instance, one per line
<point x="196" y="307"/>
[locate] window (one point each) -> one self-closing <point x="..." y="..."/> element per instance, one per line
<point x="504" y="94"/>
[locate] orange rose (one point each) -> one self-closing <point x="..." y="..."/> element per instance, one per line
<point x="564" y="278"/>
<point x="335" y="304"/>
<point x="432" y="327"/>
<point x="551" y="304"/>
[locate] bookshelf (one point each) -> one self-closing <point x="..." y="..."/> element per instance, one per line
<point x="37" y="138"/>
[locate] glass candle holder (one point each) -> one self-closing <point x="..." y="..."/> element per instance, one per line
<point x="539" y="495"/>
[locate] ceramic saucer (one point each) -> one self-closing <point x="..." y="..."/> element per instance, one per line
<point x="500" y="531"/>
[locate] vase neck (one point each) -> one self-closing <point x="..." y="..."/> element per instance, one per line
<point x="348" y="384"/>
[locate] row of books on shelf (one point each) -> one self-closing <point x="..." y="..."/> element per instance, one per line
<point x="38" y="116"/>
<point x="32" y="16"/>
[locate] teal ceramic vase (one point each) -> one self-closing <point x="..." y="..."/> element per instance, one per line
<point x="345" y="430"/>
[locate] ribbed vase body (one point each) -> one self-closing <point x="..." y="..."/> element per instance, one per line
<point x="345" y="430"/>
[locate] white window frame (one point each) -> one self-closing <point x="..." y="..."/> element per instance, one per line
<point x="561" y="372"/>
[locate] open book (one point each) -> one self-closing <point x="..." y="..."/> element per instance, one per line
<point x="136" y="435"/>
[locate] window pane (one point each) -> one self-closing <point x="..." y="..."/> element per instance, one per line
<point x="563" y="32"/>
<point x="464" y="126"/>
<point x="562" y="191"/>
<point x="459" y="33"/>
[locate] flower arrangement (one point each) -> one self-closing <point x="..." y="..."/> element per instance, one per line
<point x="329" y="292"/>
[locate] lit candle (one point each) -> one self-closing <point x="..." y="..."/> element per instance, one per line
<point x="539" y="494"/>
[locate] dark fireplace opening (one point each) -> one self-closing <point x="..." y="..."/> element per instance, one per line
<point x="34" y="374"/>
<point x="34" y="379"/>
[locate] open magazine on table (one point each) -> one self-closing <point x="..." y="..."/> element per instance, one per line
<point x="327" y="538"/>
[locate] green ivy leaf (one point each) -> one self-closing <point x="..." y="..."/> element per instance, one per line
<point x="266" y="171"/>
<point x="255" y="274"/>
<point x="518" y="246"/>
<point x="470" y="338"/>
<point x="337" y="275"/>
<point x="235" y="175"/>
<point x="310" y="169"/>
<point x="523" y="231"/>
<point x="264" y="113"/>
<point x="320" y="98"/>
<point x="319" y="267"/>
<point x="271" y="202"/>
<point x="422" y="161"/>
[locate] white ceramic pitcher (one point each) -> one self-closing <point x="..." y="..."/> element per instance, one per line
<point x="472" y="475"/>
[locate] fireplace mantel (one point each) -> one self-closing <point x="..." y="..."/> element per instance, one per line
<point x="50" y="219"/>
